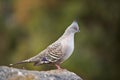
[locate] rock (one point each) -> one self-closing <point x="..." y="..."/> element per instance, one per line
<point x="8" y="73"/>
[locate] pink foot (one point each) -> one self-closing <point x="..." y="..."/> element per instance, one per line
<point x="58" y="66"/>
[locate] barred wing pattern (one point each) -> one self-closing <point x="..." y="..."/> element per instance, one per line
<point x="51" y="54"/>
<point x="54" y="52"/>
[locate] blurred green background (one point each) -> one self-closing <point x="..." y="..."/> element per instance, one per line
<point x="29" y="26"/>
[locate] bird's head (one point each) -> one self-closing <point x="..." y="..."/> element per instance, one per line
<point x="73" y="28"/>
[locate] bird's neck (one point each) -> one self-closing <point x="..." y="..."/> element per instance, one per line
<point x="67" y="35"/>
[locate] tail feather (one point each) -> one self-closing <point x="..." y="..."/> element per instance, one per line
<point x="25" y="61"/>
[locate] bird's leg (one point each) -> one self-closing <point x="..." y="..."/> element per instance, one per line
<point x="58" y="66"/>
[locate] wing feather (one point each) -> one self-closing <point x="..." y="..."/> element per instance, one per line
<point x="51" y="54"/>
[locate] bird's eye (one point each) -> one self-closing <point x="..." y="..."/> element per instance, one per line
<point x="75" y="28"/>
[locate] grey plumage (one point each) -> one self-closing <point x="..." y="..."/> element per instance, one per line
<point x="58" y="51"/>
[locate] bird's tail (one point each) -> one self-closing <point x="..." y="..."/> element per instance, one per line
<point x="25" y="61"/>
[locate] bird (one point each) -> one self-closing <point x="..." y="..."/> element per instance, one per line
<point x="59" y="51"/>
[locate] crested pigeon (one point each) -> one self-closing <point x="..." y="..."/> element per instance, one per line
<point x="57" y="52"/>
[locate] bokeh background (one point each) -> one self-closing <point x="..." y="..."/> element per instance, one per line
<point x="29" y="26"/>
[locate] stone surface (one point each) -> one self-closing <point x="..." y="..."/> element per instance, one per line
<point x="8" y="73"/>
